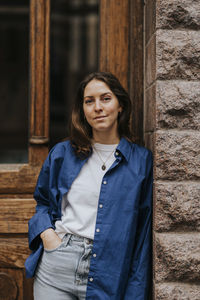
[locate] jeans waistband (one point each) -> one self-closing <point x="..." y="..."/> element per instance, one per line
<point x="74" y="237"/>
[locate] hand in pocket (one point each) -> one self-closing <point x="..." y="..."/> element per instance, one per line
<point x="50" y="239"/>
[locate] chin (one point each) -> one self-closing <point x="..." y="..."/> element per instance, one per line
<point x="101" y="129"/>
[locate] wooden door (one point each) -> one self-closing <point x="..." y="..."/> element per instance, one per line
<point x="17" y="180"/>
<point x="120" y="45"/>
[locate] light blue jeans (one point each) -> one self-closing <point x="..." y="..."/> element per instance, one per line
<point x="62" y="273"/>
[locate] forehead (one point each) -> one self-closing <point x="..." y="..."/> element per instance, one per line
<point x="96" y="87"/>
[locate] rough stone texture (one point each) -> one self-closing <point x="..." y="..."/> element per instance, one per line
<point x="177" y="54"/>
<point x="177" y="206"/>
<point x="171" y="125"/>
<point x="178" y="14"/>
<point x="177" y="291"/>
<point x="177" y="257"/>
<point x="177" y="155"/>
<point x="178" y="104"/>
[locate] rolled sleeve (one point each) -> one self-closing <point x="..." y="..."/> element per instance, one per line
<point x="37" y="224"/>
<point x="42" y="217"/>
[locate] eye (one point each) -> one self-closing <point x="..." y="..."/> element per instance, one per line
<point x="106" y="98"/>
<point x="88" y="101"/>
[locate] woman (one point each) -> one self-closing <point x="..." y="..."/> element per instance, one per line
<point x="93" y="213"/>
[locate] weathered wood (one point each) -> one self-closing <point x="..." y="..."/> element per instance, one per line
<point x="8" y="287"/>
<point x="114" y="38"/>
<point x="37" y="155"/>
<point x="39" y="79"/>
<point x="17" y="181"/>
<point x="121" y="51"/>
<point x="136" y="67"/>
<point x="11" y="285"/>
<point x="18" y="178"/>
<point x="28" y="288"/>
<point x="14" y="215"/>
<point x="39" y="53"/>
<point x="13" y="252"/>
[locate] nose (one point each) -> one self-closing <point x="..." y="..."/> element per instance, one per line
<point x="98" y="106"/>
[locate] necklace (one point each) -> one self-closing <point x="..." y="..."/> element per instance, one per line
<point x="103" y="167"/>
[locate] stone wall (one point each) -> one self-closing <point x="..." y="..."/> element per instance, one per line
<point x="171" y="124"/>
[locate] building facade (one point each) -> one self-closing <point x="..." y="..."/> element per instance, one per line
<point x="154" y="49"/>
<point x="172" y="123"/>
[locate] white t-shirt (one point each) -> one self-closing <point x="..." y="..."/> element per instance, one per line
<point x="79" y="205"/>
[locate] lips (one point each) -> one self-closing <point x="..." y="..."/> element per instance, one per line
<point x="99" y="118"/>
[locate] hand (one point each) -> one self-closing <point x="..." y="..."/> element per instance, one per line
<point x="50" y="239"/>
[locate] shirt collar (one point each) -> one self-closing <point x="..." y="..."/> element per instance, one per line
<point x="124" y="147"/>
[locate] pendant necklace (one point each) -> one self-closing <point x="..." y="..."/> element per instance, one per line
<point x="103" y="167"/>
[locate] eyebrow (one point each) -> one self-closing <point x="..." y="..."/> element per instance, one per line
<point x="100" y="95"/>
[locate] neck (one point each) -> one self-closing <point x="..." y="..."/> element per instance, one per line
<point x="103" y="138"/>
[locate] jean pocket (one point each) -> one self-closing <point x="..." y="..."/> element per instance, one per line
<point x="54" y="249"/>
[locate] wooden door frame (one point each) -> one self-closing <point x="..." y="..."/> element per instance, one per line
<point x="21" y="178"/>
<point x="121" y="51"/>
<point x="17" y="181"/>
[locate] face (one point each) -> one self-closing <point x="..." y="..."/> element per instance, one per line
<point x="101" y="107"/>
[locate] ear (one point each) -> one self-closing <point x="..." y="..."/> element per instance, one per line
<point x="120" y="109"/>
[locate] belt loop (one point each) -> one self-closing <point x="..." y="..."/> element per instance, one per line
<point x="67" y="238"/>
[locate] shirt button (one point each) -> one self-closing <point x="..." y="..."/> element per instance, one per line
<point x="117" y="153"/>
<point x="91" y="279"/>
<point x="97" y="230"/>
<point x="100" y="205"/>
<point x="94" y="255"/>
<point x="104" y="182"/>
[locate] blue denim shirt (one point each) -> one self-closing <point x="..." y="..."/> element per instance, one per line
<point x="122" y="242"/>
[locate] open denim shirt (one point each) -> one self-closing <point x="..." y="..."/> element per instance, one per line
<point x="121" y="269"/>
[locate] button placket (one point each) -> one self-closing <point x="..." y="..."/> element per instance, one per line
<point x="91" y="279"/>
<point x="94" y="255"/>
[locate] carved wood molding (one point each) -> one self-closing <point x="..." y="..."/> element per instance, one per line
<point x="38" y="140"/>
<point x="8" y="287"/>
<point x="13" y="251"/>
<point x="39" y="70"/>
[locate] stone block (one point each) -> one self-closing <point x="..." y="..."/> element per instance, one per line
<point x="178" y="104"/>
<point x="177" y="54"/>
<point x="178" y="14"/>
<point x="177" y="257"/>
<point x="177" y="291"/>
<point x="177" y="206"/>
<point x="177" y="155"/>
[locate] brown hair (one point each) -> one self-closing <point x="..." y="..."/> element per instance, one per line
<point x="81" y="131"/>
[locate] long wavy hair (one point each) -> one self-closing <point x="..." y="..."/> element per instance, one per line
<point x="81" y="131"/>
